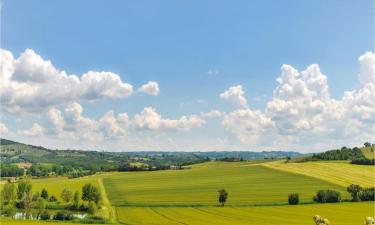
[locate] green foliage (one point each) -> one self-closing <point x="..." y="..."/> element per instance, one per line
<point x="62" y="215"/>
<point x="44" y="194"/>
<point x="327" y="196"/>
<point x="52" y="198"/>
<point x="92" y="208"/>
<point x="66" y="195"/>
<point x="293" y="199"/>
<point x="24" y="188"/>
<point x="9" y="210"/>
<point x="10" y="170"/>
<point x="223" y="195"/>
<point x="320" y="220"/>
<point x="45" y="215"/>
<point x="76" y="199"/>
<point x="91" y="193"/>
<point x="8" y="194"/>
<point x="354" y="190"/>
<point x="340" y="154"/>
<point x="367" y="194"/>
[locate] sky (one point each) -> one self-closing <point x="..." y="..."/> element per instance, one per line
<point x="188" y="75"/>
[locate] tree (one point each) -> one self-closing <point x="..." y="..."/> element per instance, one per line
<point x="24" y="188"/>
<point x="326" y="196"/>
<point x="8" y="194"/>
<point x="44" y="194"/>
<point x="91" y="193"/>
<point x="293" y="199"/>
<point x="354" y="190"/>
<point x="223" y="195"/>
<point x="40" y="206"/>
<point x="76" y="199"/>
<point x="367" y="144"/>
<point x="92" y="207"/>
<point x="66" y="195"/>
<point x="53" y="198"/>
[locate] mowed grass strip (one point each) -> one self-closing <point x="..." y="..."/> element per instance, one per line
<point x="247" y="185"/>
<point x="6" y="221"/>
<point x="341" y="173"/>
<point x="338" y="214"/>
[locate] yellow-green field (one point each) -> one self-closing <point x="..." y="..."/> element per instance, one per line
<point x="342" y="173"/>
<point x="246" y="184"/>
<point x="257" y="194"/>
<point x="338" y="214"/>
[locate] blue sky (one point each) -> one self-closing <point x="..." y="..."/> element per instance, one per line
<point x="176" y="43"/>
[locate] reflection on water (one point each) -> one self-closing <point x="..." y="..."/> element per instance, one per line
<point x="35" y="216"/>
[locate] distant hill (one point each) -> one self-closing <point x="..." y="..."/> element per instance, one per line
<point x="15" y="152"/>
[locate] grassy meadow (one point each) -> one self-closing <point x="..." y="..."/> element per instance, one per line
<point x="258" y="192"/>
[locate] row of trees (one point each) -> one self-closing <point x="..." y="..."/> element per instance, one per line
<point x="20" y="196"/>
<point x="325" y="196"/>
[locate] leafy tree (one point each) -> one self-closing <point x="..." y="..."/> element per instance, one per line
<point x="40" y="206"/>
<point x="293" y="199"/>
<point x="44" y="194"/>
<point x="326" y="196"/>
<point x="91" y="193"/>
<point x="223" y="195"/>
<point x="66" y="195"/>
<point x="45" y="215"/>
<point x="367" y="144"/>
<point x="24" y="188"/>
<point x="36" y="196"/>
<point x="354" y="190"/>
<point x="76" y="199"/>
<point x="53" y="198"/>
<point x="8" y="194"/>
<point x="367" y="194"/>
<point x="92" y="208"/>
<point x="9" y="210"/>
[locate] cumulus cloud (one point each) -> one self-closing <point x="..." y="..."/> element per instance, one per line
<point x="30" y="84"/>
<point x="302" y="109"/>
<point x="35" y="130"/>
<point x="3" y="129"/>
<point x="151" y="88"/>
<point x="151" y="120"/>
<point x="212" y="114"/>
<point x="114" y="126"/>
<point x="235" y="95"/>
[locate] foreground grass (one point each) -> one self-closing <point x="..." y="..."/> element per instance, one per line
<point x="340" y="173"/>
<point x="247" y="184"/>
<point x="338" y="214"/>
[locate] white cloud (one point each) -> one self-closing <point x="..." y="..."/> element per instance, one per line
<point x="247" y="125"/>
<point x="212" y="114"/>
<point x="35" y="130"/>
<point x="151" y="88"/>
<point x="212" y="72"/>
<point x="367" y="68"/>
<point x="30" y="84"/>
<point x="150" y="119"/>
<point x="235" y="95"/>
<point x="3" y="129"/>
<point x="114" y="126"/>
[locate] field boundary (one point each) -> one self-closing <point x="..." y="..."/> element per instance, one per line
<point x="107" y="203"/>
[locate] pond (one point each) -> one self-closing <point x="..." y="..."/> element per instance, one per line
<point x="34" y="216"/>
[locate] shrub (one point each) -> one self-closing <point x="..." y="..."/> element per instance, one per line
<point x="324" y="196"/>
<point x="92" y="208"/>
<point x="60" y="215"/>
<point x="45" y="215"/>
<point x="367" y="194"/>
<point x="8" y="210"/>
<point x="44" y="194"/>
<point x="293" y="199"/>
<point x="53" y="198"/>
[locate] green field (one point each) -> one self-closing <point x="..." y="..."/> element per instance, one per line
<point x="257" y="194"/>
<point x="247" y="184"/>
<point x="339" y="214"/>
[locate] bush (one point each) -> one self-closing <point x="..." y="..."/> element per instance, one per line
<point x="61" y="215"/>
<point x="9" y="210"/>
<point x="367" y="194"/>
<point x="92" y="208"/>
<point x="45" y="215"/>
<point x="369" y="221"/>
<point x="53" y="198"/>
<point x="324" y="196"/>
<point x="293" y="199"/>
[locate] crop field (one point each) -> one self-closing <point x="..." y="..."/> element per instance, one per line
<point x="338" y="214"/>
<point x="247" y="184"/>
<point x="341" y="173"/>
